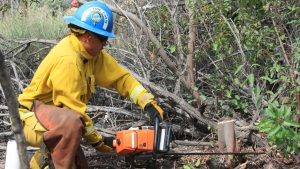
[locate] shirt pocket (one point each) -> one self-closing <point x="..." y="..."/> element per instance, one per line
<point x="84" y="91"/>
<point x="91" y="81"/>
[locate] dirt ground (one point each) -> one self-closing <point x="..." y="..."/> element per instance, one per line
<point x="97" y="160"/>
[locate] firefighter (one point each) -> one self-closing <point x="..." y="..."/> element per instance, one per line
<point x="53" y="106"/>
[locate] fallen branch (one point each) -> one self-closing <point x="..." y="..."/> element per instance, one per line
<point x="91" y="108"/>
<point x="6" y="134"/>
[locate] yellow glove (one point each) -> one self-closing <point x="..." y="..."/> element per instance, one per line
<point x="105" y="145"/>
<point x="101" y="143"/>
<point x="154" y="110"/>
<point x="103" y="148"/>
<point x="92" y="136"/>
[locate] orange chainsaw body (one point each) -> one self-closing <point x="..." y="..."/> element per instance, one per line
<point x="134" y="141"/>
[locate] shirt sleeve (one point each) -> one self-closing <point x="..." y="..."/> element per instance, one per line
<point x="112" y="75"/>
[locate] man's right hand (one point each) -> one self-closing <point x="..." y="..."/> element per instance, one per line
<point x="103" y="148"/>
<point x="154" y="110"/>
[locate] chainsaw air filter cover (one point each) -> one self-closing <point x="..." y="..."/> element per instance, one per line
<point x="134" y="140"/>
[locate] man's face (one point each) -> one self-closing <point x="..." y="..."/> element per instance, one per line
<point x="93" y="44"/>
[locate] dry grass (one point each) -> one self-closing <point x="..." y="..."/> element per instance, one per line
<point x="39" y="22"/>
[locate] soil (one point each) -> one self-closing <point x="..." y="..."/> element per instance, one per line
<point x="96" y="160"/>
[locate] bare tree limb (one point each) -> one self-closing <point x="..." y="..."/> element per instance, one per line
<point x="172" y="65"/>
<point x="181" y="102"/>
<point x="114" y="110"/>
<point x="45" y="41"/>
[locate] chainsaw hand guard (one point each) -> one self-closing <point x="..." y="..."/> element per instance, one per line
<point x="162" y="137"/>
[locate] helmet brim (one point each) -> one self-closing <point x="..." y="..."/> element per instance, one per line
<point x="75" y="21"/>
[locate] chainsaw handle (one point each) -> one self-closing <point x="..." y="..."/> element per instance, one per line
<point x="156" y="125"/>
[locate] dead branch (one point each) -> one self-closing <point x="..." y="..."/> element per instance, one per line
<point x="6" y="134"/>
<point x="163" y="54"/>
<point x="118" y="110"/>
<point x="14" y="113"/>
<point x="44" y="41"/>
<point x="181" y="102"/>
<point x="172" y="65"/>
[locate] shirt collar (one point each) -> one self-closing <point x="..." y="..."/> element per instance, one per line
<point x="78" y="47"/>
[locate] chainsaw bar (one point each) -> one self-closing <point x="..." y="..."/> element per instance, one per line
<point x="212" y="153"/>
<point x="172" y="153"/>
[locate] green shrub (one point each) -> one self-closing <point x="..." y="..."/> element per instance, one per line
<point x="281" y="129"/>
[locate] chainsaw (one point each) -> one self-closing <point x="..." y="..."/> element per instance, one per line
<point x="152" y="139"/>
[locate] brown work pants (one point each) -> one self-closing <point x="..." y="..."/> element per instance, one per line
<point x="61" y="130"/>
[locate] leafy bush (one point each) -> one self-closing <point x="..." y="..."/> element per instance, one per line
<point x="281" y="129"/>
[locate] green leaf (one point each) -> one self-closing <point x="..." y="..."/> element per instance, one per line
<point x="273" y="132"/>
<point x="237" y="81"/>
<point x="297" y="56"/>
<point x="215" y="46"/>
<point x="265" y="130"/>
<point x="228" y="93"/>
<point x="287" y="112"/>
<point x="291" y="124"/>
<point x="284" y="78"/>
<point x="258" y="102"/>
<point x="257" y="90"/>
<point x="172" y="48"/>
<point x="239" y="69"/>
<point x="203" y="97"/>
<point x="188" y="166"/>
<point x="251" y="79"/>
<point x="198" y="163"/>
<point x="271" y="81"/>
<point x="237" y="97"/>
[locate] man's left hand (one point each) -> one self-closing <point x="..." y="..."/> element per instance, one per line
<point x="106" y="145"/>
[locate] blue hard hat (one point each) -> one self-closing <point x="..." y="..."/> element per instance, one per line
<point x="93" y="16"/>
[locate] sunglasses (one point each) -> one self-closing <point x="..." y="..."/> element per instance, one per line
<point x="102" y="39"/>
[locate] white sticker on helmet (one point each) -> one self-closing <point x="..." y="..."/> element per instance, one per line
<point x="92" y="12"/>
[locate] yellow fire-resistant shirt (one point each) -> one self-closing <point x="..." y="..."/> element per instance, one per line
<point x="68" y="75"/>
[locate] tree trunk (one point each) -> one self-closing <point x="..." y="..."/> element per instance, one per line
<point x="14" y="114"/>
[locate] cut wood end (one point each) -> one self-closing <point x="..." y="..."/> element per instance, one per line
<point x="226" y="121"/>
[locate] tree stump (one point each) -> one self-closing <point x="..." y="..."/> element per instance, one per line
<point x="227" y="140"/>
